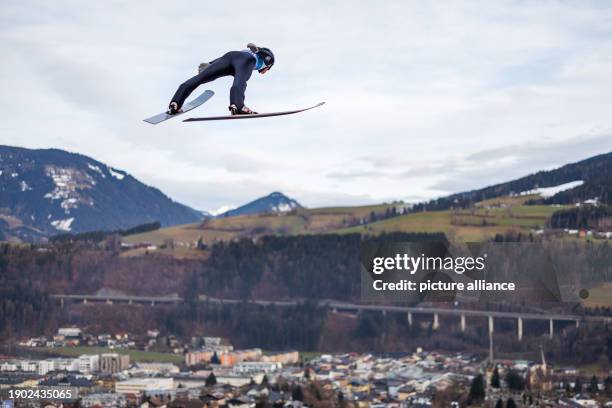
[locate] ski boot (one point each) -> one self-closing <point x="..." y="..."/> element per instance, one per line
<point x="173" y="109"/>
<point x="244" y="111"/>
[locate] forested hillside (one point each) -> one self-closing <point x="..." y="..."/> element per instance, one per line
<point x="584" y="217"/>
<point x="595" y="172"/>
<point x="276" y="268"/>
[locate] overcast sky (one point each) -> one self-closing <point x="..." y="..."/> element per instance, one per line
<point x="423" y="98"/>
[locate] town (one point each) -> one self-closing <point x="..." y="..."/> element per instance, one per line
<point x="121" y="370"/>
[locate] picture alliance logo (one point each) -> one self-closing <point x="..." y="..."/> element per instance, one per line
<point x="414" y="264"/>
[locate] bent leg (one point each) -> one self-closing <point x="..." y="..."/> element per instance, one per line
<point x="216" y="70"/>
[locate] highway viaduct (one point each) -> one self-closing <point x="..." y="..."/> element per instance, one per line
<point x="335" y="306"/>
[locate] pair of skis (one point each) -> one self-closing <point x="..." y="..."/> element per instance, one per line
<point x="154" y="120"/>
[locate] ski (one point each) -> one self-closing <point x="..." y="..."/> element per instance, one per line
<point x="154" y="120"/>
<point x="253" y="116"/>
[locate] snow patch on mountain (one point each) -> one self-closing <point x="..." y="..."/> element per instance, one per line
<point x="284" y="207"/>
<point x="96" y="169"/>
<point x="119" y="175"/>
<point x="551" y="191"/>
<point x="63" y="225"/>
<point x="68" y="182"/>
<point x="274" y="203"/>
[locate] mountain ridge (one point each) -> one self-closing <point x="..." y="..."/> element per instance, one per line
<point x="275" y="203"/>
<point x="595" y="172"/>
<point x="50" y="191"/>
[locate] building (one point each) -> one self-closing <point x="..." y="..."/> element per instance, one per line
<point x="198" y="357"/>
<point x="239" y="380"/>
<point x="283" y="357"/>
<point x="212" y="341"/>
<point x="154" y="368"/>
<point x="57" y="364"/>
<point x="66" y="364"/>
<point x="69" y="332"/>
<point x="234" y="357"/>
<point x="104" y="400"/>
<point x="89" y="363"/>
<point x="253" y="367"/>
<point x="111" y="363"/>
<point x="45" y="366"/>
<point x="139" y="386"/>
<point x="8" y="366"/>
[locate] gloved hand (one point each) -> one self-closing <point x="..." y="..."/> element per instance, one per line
<point x="202" y="67"/>
<point x="252" y="47"/>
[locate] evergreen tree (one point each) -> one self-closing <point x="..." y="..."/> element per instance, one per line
<point x="297" y="394"/>
<point x="499" y="404"/>
<point x="578" y="386"/>
<point x="593" y="388"/>
<point x="341" y="401"/>
<point x="608" y="386"/>
<point x="477" y="388"/>
<point x="495" y="378"/>
<point x="510" y="403"/>
<point x="215" y="359"/>
<point x="307" y="373"/>
<point x="515" y="381"/>
<point x="211" y="380"/>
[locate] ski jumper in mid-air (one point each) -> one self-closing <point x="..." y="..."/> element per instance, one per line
<point x="239" y="64"/>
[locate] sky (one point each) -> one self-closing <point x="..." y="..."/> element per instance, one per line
<point x="422" y="99"/>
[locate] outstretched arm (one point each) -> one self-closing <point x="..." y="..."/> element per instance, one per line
<point x="241" y="76"/>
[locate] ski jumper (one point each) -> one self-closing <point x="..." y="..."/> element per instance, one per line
<point x="239" y="64"/>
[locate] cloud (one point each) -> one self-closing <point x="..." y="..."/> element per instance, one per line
<point x="498" y="165"/>
<point x="423" y="98"/>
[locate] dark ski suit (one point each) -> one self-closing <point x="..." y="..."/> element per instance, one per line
<point x="238" y="64"/>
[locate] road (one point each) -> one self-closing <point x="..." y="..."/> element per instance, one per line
<point x="337" y="306"/>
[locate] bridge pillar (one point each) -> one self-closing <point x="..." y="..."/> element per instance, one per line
<point x="462" y="322"/>
<point x="130" y="301"/>
<point x="577" y="323"/>
<point x="384" y="313"/>
<point x="62" y="302"/>
<point x="436" y="322"/>
<point x="410" y="318"/>
<point x="152" y="303"/>
<point x="84" y="301"/>
<point x="519" y="326"/>
<point x="491" y="326"/>
<point x="551" y="329"/>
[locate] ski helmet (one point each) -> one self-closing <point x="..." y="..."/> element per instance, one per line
<point x="267" y="56"/>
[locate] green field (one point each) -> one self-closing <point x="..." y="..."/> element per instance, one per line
<point x="464" y="225"/>
<point x="303" y="221"/>
<point x="135" y="355"/>
<point x="483" y="221"/>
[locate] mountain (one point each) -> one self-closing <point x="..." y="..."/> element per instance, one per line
<point x="49" y="191"/>
<point x="589" y="179"/>
<point x="274" y="203"/>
